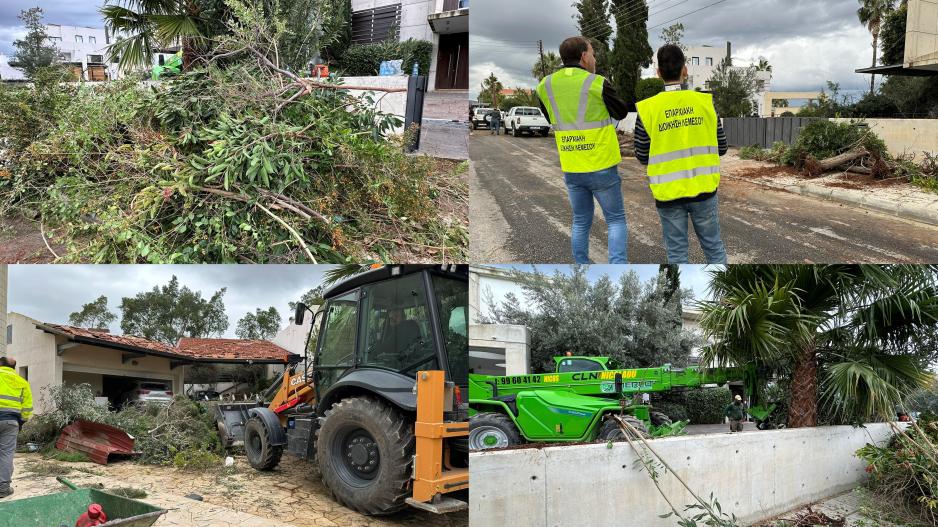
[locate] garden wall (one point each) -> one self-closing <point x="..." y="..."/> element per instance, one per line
<point x="392" y="103"/>
<point x="905" y="135"/>
<point x="755" y="475"/>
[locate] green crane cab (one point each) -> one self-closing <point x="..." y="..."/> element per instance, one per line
<point x="572" y="403"/>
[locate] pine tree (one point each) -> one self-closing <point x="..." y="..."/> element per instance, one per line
<point x="593" y="22"/>
<point x="33" y="52"/>
<point x="631" y="51"/>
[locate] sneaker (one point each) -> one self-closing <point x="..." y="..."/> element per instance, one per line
<point x="5" y="492"/>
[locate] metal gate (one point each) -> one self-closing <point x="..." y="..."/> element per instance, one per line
<point x="763" y="131"/>
<point x="413" y="111"/>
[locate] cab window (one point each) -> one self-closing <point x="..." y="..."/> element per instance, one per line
<point x="337" y="351"/>
<point x="396" y="326"/>
<point x="572" y="365"/>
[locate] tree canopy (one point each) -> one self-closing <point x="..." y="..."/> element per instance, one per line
<point x="631" y="51"/>
<point x="593" y="22"/>
<point x="34" y="51"/>
<point x="93" y="315"/>
<point x="169" y="312"/>
<point x="637" y="324"/>
<point x="263" y="324"/>
<point x="733" y="89"/>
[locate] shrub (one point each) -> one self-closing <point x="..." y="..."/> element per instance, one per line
<point x="416" y="52"/>
<point x="646" y="88"/>
<point x="904" y="473"/>
<point x="706" y="405"/>
<point x="366" y="59"/>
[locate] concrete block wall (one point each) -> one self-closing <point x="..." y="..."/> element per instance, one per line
<point x="755" y="475"/>
<point x="905" y="135"/>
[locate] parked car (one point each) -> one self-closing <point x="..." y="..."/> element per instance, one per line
<point x="206" y="395"/>
<point x="145" y="392"/>
<point x="528" y="119"/>
<point x="482" y="117"/>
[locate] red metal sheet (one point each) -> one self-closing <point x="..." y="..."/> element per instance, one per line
<point x="95" y="440"/>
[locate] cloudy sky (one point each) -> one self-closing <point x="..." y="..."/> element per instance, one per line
<point x="64" y="12"/>
<point x="807" y="41"/>
<point x="49" y="293"/>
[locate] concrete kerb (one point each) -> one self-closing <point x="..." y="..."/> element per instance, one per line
<point x="756" y="475"/>
<point x="927" y="214"/>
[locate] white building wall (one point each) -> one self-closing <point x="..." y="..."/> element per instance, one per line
<point x="77" y="43"/>
<point x="34" y="351"/>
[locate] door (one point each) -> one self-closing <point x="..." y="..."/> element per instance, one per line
<point x="337" y="346"/>
<point x="452" y="65"/>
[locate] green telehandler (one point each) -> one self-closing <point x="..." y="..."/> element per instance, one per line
<point x="572" y="403"/>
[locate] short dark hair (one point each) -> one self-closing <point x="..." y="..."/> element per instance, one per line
<point x="7" y="362"/>
<point x="670" y="62"/>
<point x="572" y="49"/>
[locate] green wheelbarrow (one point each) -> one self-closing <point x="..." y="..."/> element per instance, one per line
<point x="64" y="508"/>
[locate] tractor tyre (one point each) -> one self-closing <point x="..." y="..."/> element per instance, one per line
<point x="610" y="430"/>
<point x="261" y="454"/>
<point x="492" y="430"/>
<point x="660" y="419"/>
<point x="365" y="450"/>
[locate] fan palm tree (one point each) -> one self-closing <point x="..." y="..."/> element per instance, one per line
<point x="342" y="272"/>
<point x="764" y="65"/>
<point x="872" y="13"/>
<point x="140" y="27"/>
<point x="848" y="335"/>
<point x="491" y="88"/>
<point x="546" y="65"/>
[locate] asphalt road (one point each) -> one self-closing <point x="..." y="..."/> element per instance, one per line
<point x="519" y="213"/>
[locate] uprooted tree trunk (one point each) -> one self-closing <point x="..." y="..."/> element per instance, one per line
<point x="814" y="167"/>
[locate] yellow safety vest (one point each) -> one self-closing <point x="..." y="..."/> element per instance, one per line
<point x="15" y="396"/>
<point x="584" y="130"/>
<point x="684" y="157"/>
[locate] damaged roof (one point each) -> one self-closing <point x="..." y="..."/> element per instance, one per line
<point x="187" y="349"/>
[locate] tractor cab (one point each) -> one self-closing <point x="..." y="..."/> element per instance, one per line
<point x="389" y="323"/>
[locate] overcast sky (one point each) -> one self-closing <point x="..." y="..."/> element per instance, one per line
<point x="807" y="41"/>
<point x="49" y="293"/>
<point x="64" y="12"/>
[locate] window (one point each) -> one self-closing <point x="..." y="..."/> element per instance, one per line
<point x="10" y="334"/>
<point x="569" y="365"/>
<point x="162" y="60"/>
<point x="55" y="40"/>
<point x="709" y="61"/>
<point x="337" y="351"/>
<point x="396" y="327"/>
<point x="80" y="39"/>
<point x="376" y="25"/>
<point x="92" y="40"/>
<point x="24" y="372"/>
<point x="695" y="61"/>
<point x="96" y="59"/>
<point x="452" y="303"/>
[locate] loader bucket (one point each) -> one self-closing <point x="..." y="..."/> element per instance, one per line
<point x="64" y="508"/>
<point x="96" y="440"/>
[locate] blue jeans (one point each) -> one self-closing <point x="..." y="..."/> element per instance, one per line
<point x="496" y="128"/>
<point x="606" y="187"/>
<point x="706" y="219"/>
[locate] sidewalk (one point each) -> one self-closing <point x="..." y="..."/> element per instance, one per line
<point x="900" y="199"/>
<point x="848" y="505"/>
<point x="444" y="139"/>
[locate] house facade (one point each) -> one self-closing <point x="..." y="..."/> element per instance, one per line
<point x="84" y="51"/>
<point x="445" y="23"/>
<point x="51" y="355"/>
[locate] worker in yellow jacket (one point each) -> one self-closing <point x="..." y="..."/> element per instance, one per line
<point x="678" y="136"/>
<point x="16" y="407"/>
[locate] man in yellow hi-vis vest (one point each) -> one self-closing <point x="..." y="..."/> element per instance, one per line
<point x="679" y="136"/>
<point x="16" y="407"/>
<point x="584" y="107"/>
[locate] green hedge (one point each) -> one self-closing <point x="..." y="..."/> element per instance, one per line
<point x="705" y="406"/>
<point x="363" y="60"/>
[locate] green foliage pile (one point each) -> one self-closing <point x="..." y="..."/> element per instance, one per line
<point x="904" y="472"/>
<point x="758" y="153"/>
<point x="823" y="139"/>
<point x="181" y="433"/>
<point x="366" y="59"/>
<point x="214" y="167"/>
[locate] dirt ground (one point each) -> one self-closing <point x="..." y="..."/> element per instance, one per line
<point x="291" y="495"/>
<point x="21" y="241"/>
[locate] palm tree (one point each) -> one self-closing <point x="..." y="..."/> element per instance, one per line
<point x="491" y="87"/>
<point x="764" y="65"/>
<point x="546" y="65"/>
<point x="871" y="14"/>
<point x="343" y="272"/>
<point x="846" y="336"/>
<point x="140" y="27"/>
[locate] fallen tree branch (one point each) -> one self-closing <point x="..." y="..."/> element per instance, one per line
<point x="291" y="230"/>
<point x="814" y="167"/>
<point x="42" y="231"/>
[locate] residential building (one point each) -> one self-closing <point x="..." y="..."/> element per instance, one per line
<point x="84" y="51"/>
<point x="920" y="56"/>
<point x="445" y="23"/>
<point x="50" y="355"/>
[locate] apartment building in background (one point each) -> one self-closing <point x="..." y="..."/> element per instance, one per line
<point x="84" y="51"/>
<point x="445" y="23"/>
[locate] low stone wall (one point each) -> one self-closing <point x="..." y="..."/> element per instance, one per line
<point x="755" y="475"/>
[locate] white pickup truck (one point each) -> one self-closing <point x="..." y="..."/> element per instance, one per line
<point x="529" y="119"/>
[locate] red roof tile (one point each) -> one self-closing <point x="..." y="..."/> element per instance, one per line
<point x="197" y="349"/>
<point x="122" y="340"/>
<point x="231" y="349"/>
